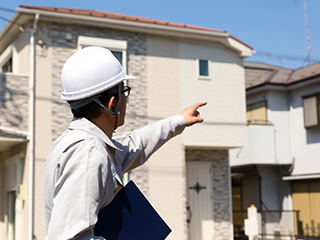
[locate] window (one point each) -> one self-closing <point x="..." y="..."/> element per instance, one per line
<point x="117" y="47"/>
<point x="305" y="197"/>
<point x="257" y="113"/>
<point x="6" y="60"/>
<point x="311" y="109"/>
<point x="7" y="67"/>
<point x="203" y="69"/>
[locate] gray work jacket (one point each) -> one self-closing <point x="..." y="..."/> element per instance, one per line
<point x="84" y="171"/>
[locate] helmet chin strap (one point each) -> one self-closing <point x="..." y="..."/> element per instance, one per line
<point x="116" y="108"/>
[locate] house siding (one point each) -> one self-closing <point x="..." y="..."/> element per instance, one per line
<point x="14" y="99"/>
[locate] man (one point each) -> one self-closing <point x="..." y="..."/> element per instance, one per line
<point x="85" y="164"/>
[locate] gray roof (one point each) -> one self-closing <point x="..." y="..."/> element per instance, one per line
<point x="257" y="74"/>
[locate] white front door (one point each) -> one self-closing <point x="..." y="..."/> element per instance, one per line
<point x="200" y="201"/>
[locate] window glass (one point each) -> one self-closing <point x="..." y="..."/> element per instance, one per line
<point x="257" y="113"/>
<point x="118" y="56"/>
<point x="203" y="68"/>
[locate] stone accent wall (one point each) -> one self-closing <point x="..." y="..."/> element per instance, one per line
<point x="14" y="100"/>
<point x="220" y="183"/>
<point x="136" y="65"/>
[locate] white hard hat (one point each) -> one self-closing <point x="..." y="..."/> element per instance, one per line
<point x="90" y="71"/>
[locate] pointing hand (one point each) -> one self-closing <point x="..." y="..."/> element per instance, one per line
<point x="191" y="114"/>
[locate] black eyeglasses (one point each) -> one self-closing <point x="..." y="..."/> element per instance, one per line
<point x="126" y="91"/>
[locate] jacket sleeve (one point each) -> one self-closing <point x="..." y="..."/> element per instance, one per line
<point x="139" y="145"/>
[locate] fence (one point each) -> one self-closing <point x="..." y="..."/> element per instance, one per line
<point x="274" y="224"/>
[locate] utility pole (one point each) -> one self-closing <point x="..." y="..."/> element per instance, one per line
<point x="307" y="32"/>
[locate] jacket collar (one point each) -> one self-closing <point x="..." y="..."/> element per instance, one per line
<point x="85" y="125"/>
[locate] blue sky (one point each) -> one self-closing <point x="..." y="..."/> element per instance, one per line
<point x="274" y="28"/>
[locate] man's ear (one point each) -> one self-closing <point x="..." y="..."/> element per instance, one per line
<point x="111" y="104"/>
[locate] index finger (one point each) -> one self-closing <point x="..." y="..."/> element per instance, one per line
<point x="197" y="105"/>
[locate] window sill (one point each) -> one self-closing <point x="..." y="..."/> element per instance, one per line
<point x="204" y="78"/>
<point x="261" y="122"/>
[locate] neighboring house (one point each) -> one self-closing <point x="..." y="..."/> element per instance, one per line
<point x="176" y="65"/>
<point x="279" y="169"/>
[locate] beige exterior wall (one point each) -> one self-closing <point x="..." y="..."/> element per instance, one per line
<point x="225" y="122"/>
<point x="17" y="114"/>
<point x="166" y="166"/>
<point x="173" y="83"/>
<point x="13" y="173"/>
<point x="21" y="53"/>
<point x="43" y="116"/>
<point x="14" y="111"/>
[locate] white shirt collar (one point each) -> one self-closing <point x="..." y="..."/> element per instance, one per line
<point x="85" y="125"/>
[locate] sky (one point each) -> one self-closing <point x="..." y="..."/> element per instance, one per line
<point x="275" y="29"/>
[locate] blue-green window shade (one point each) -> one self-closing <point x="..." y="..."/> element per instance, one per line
<point x="203" y="68"/>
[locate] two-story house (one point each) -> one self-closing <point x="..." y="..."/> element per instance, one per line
<point x="176" y="65"/>
<point x="279" y="169"/>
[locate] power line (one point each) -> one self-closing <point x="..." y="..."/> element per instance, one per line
<point x="20" y="26"/>
<point x="281" y="57"/>
<point x="7" y="9"/>
<point x="5" y="19"/>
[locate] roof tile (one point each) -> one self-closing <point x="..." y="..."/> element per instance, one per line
<point x="260" y="73"/>
<point x="110" y="15"/>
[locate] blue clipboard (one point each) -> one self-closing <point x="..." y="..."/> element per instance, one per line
<point x="130" y="216"/>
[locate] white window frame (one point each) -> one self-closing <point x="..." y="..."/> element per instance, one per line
<point x="5" y="56"/>
<point x="198" y="69"/>
<point x="111" y="44"/>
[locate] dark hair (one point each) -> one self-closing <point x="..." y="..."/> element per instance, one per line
<point x="93" y="110"/>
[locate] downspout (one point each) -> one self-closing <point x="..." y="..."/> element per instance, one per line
<point x="230" y="200"/>
<point x="293" y="150"/>
<point x="32" y="125"/>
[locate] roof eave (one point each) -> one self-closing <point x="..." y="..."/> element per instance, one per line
<point x="9" y="32"/>
<point x="26" y="14"/>
<point x="265" y="87"/>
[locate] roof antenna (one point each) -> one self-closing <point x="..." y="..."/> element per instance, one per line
<point x="307" y="33"/>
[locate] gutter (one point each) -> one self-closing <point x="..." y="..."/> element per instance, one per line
<point x="223" y="38"/>
<point x="33" y="32"/>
